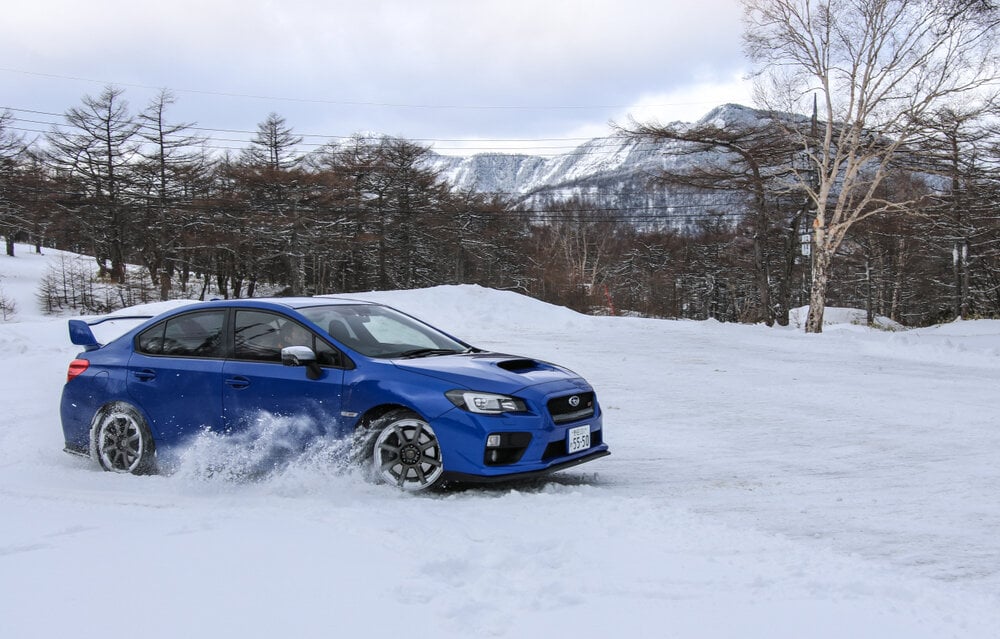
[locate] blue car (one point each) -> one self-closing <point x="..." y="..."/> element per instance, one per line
<point x="419" y="407"/>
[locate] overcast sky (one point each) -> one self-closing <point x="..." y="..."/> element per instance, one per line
<point x="458" y="74"/>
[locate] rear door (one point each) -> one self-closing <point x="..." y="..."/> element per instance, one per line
<point x="175" y="374"/>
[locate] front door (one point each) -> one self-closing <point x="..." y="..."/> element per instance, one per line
<point x="262" y="396"/>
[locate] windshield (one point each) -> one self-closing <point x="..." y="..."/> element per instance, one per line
<point x="379" y="331"/>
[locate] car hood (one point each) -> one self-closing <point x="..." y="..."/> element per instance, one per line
<point x="493" y="372"/>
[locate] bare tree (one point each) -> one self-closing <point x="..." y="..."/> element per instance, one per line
<point x="11" y="150"/>
<point x="958" y="150"/>
<point x="275" y="185"/>
<point x="878" y="67"/>
<point x="393" y="217"/>
<point x="274" y="145"/>
<point x="170" y="165"/>
<point x="96" y="150"/>
<point x="752" y="158"/>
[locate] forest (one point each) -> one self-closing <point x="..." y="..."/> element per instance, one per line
<point x="366" y="213"/>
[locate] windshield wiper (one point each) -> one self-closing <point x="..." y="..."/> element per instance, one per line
<point x="427" y="352"/>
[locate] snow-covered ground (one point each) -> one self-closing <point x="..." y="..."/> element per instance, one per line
<point x="763" y="483"/>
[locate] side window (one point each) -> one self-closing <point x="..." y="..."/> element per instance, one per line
<point x="256" y="336"/>
<point x="150" y="341"/>
<point x="260" y="336"/>
<point x="327" y="355"/>
<point x="188" y="335"/>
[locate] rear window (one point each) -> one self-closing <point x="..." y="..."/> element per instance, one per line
<point x="189" y="335"/>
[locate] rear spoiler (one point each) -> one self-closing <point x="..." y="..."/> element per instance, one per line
<point x="81" y="335"/>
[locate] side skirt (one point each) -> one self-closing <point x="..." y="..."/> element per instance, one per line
<point x="80" y="452"/>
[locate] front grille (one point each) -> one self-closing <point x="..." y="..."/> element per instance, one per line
<point x="558" y="448"/>
<point x="572" y="408"/>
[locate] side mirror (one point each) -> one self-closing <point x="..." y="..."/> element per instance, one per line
<point x="302" y="356"/>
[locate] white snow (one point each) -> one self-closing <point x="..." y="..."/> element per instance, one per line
<point x="763" y="483"/>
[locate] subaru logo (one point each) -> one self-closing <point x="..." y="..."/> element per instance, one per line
<point x="574" y="401"/>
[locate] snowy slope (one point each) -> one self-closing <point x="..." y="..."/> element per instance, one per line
<point x="611" y="173"/>
<point x="763" y="483"/>
<point x="596" y="161"/>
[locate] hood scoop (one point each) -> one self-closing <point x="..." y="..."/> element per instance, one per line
<point x="519" y="365"/>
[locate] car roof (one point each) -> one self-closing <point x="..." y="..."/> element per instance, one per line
<point x="289" y="302"/>
<point x="303" y="302"/>
<point x="153" y="313"/>
<point x="273" y="303"/>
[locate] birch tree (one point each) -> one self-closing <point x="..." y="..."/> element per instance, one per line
<point x="878" y="68"/>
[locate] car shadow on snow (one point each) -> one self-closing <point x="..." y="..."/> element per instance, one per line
<point x="549" y="483"/>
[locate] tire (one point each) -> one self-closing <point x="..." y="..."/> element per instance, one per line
<point x="403" y="451"/>
<point x="121" y="441"/>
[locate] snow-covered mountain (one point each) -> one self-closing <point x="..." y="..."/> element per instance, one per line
<point x="615" y="173"/>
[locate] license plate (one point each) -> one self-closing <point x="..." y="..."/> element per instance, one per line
<point x="578" y="438"/>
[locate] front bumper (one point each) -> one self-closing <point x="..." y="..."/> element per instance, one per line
<point x="594" y="453"/>
<point x="537" y="443"/>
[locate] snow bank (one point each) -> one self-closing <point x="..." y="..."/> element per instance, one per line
<point x="454" y="307"/>
<point x="839" y="317"/>
<point x="763" y="483"/>
<point x="20" y="276"/>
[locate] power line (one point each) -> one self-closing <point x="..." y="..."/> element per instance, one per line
<point x="467" y="144"/>
<point x="322" y="135"/>
<point x="595" y="144"/>
<point x="596" y="150"/>
<point x="363" y="103"/>
<point x="509" y="194"/>
<point x="316" y="135"/>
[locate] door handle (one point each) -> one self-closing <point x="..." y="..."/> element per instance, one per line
<point x="237" y="382"/>
<point x="145" y="375"/>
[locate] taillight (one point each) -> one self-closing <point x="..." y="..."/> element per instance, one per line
<point x="76" y="367"/>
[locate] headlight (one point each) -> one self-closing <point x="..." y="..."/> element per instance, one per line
<point x="485" y="403"/>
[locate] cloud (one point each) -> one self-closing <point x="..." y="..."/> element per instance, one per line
<point x="432" y="69"/>
<point x="689" y="103"/>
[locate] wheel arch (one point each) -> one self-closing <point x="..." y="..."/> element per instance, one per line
<point x="106" y="408"/>
<point x="377" y="412"/>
